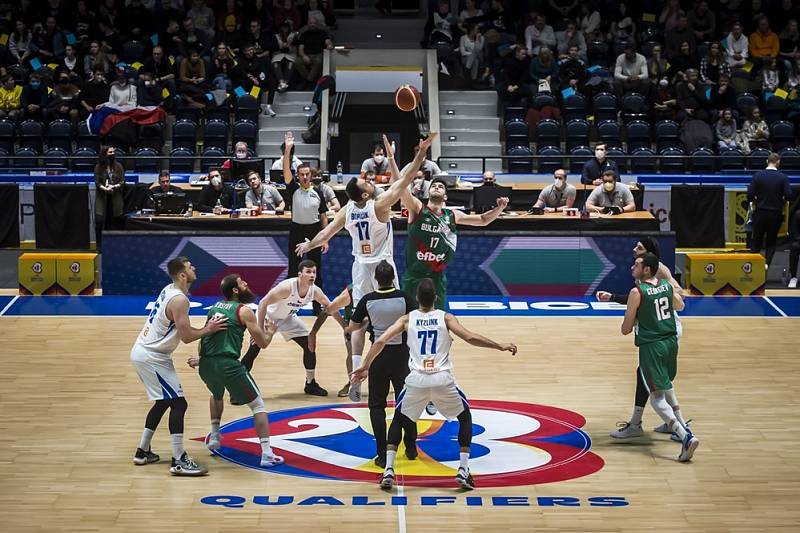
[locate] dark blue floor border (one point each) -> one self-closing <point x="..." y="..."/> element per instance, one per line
<point x="458" y="305"/>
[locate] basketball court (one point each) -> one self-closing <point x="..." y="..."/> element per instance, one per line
<point x="73" y="411"/>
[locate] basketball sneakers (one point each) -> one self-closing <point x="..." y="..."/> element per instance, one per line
<point x="185" y="466"/>
<point x="626" y="430"/>
<point x="464" y="479"/>
<point x="145" y="457"/>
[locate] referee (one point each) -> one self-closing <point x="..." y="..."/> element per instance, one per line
<point x="383" y="308"/>
<point x="308" y="212"/>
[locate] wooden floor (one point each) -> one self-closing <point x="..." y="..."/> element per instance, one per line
<point x="72" y="412"/>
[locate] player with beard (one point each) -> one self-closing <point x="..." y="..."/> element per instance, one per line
<point x="220" y="368"/>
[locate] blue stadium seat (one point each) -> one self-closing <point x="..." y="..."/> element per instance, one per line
<point x="667" y="134"/>
<point x="180" y="161"/>
<point x="544" y="100"/>
<point x="516" y="133"/>
<point x="514" y="112"/>
<point x="605" y="107"/>
<point x="184" y="135"/>
<point x="673" y="161"/>
<point x="634" y="107"/>
<point x="86" y="139"/>
<point x="150" y="166"/>
<point x="577" y="133"/>
<point x="608" y="131"/>
<point x="522" y="165"/>
<point x="216" y="134"/>
<point x="56" y="158"/>
<point x="59" y="135"/>
<point x="84" y="159"/>
<point x="573" y="107"/>
<point x="548" y="132"/>
<point x="643" y="160"/>
<point x="732" y="159"/>
<point x="245" y="130"/>
<point x="618" y="156"/>
<point x="25" y="157"/>
<point x="638" y="134"/>
<point x="7" y="131"/>
<point x="702" y="160"/>
<point x="745" y="102"/>
<point x="31" y="135"/>
<point x="152" y="136"/>
<point x="212" y="157"/>
<point x="790" y="159"/>
<point x="775" y="109"/>
<point x="578" y="156"/>
<point x="247" y="109"/>
<point x="552" y="158"/>
<point x="781" y="134"/>
<point x="757" y="158"/>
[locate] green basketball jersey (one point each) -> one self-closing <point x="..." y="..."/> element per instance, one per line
<point x="228" y="342"/>
<point x="431" y="242"/>
<point x="655" y="318"/>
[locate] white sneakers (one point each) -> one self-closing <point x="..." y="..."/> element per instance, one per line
<point x="626" y="430"/>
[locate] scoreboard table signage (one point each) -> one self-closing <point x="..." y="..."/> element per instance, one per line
<point x="725" y="274"/>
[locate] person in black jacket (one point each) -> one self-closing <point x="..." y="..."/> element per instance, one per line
<point x="794" y="248"/>
<point x="254" y="71"/>
<point x="215" y="191"/>
<point x="768" y="191"/>
<point x="34" y="97"/>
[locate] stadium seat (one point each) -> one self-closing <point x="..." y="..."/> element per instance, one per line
<point x="732" y="159"/>
<point x="578" y="156"/>
<point x="790" y="159"/>
<point x="634" y="107"/>
<point x="245" y="130"/>
<point x="605" y="107"/>
<point x="573" y="107"/>
<point x="745" y="102"/>
<point x="86" y="139"/>
<point x="184" y="135"/>
<point x="7" y="131"/>
<point x="643" y="160"/>
<point x="552" y="158"/>
<point x="673" y="161"/>
<point x="247" y="109"/>
<point x="637" y="133"/>
<point x="781" y="134"/>
<point x="216" y="134"/>
<point x="152" y="136"/>
<point x="222" y="113"/>
<point x="757" y="158"/>
<point x="524" y="165"/>
<point x="59" y="135"/>
<point x="608" y="131"/>
<point x="516" y="133"/>
<point x="702" y="160"/>
<point x="151" y="166"/>
<point x="775" y="109"/>
<point x="544" y="100"/>
<point x="548" y="132"/>
<point x="3" y="158"/>
<point x="577" y="133"/>
<point x="667" y="134"/>
<point x="31" y="135"/>
<point x="84" y="159"/>
<point x="618" y="156"/>
<point x="181" y="161"/>
<point x="25" y="157"/>
<point x="211" y="157"/>
<point x="133" y="51"/>
<point x="514" y="112"/>
<point x="56" y="158"/>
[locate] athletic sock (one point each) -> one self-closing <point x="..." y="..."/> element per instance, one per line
<point x="636" y="417"/>
<point x="672" y="400"/>
<point x="309" y="375"/>
<point x="463" y="459"/>
<point x="390" y="454"/>
<point x="215" y="426"/>
<point x="266" y="450"/>
<point x="356" y="362"/>
<point x="678" y="428"/>
<point x="147" y="436"/>
<point x="177" y="445"/>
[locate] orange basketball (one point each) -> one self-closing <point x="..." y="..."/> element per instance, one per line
<point x="407" y="98"/>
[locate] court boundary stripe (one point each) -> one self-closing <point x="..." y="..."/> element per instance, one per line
<point x="401" y="512"/>
<point x="775" y="306"/>
<point x="9" y="304"/>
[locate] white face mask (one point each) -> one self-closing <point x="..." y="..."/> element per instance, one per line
<point x="216" y="181"/>
<point x="608" y="186"/>
<point x="559" y="183"/>
<point x="241" y="155"/>
<point x="378" y="159"/>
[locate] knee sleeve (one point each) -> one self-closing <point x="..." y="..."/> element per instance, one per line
<point x="641" y="390"/>
<point x="465" y="428"/>
<point x="177" y="410"/>
<point x="257" y="406"/>
<point x="156" y="413"/>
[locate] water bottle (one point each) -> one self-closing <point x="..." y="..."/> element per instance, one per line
<point x="218" y="208"/>
<point x="189" y="210"/>
<point x="339" y="177"/>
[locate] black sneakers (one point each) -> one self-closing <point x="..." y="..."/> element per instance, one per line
<point x="411" y="452"/>
<point x="314" y="389"/>
<point x="380" y="461"/>
<point x="185" y="466"/>
<point x="387" y="480"/>
<point x="464" y="479"/>
<point x="145" y="457"/>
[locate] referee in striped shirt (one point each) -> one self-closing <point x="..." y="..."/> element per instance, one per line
<point x="308" y="212"/>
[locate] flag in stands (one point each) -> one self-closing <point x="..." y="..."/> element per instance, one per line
<point x="102" y="120"/>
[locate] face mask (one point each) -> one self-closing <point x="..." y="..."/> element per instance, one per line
<point x="378" y="159"/>
<point x="241" y="155"/>
<point x="608" y="186"/>
<point x="216" y="181"/>
<point x="150" y="83"/>
<point x="559" y="183"/>
<point x="35" y="84"/>
<point x="110" y="157"/>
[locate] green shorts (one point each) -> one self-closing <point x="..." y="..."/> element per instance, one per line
<point x="658" y="362"/>
<point x="220" y="373"/>
<point x="410" y="283"/>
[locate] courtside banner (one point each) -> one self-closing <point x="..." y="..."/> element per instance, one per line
<point x="484" y="265"/>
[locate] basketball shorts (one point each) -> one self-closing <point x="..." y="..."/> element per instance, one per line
<point x="364" y="279"/>
<point x="291" y="327"/>
<point x="158" y="374"/>
<point x="439" y="388"/>
<point x="410" y="283"/>
<point x="221" y="373"/>
<point x="658" y="363"/>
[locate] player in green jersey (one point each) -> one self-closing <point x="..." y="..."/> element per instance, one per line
<point x="651" y="314"/>
<point x="220" y="368"/>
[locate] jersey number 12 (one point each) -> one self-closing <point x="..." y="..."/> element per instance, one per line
<point x="662" y="308"/>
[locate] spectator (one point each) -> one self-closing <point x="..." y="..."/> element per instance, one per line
<point x="544" y="71"/>
<point x="163" y="186"/>
<point x="471" y="49"/>
<point x="665" y="103"/>
<point x="192" y="80"/>
<point x="19" y="43"/>
<point x="262" y="195"/>
<point x="702" y="22"/>
<point x="264" y="41"/>
<point x="713" y="65"/>
<point x="310" y="44"/>
<point x="656" y="65"/>
<point x="49" y="41"/>
<point x="109" y="179"/>
<point x="136" y="19"/>
<point x="230" y="35"/>
<point x="148" y="91"/>
<point x="222" y="68"/>
<point x="64" y="102"/>
<point x="683" y="62"/>
<point x="377" y="163"/>
<point x="589" y="20"/>
<point x="171" y="40"/>
<point x="770" y="78"/>
<point x="558" y="195"/>
<point x="259" y="10"/>
<point x="593" y="169"/>
<point x="753" y="13"/>
<point x="193" y="38"/>
<point x="96" y="58"/>
<point x="215" y="191"/>
<point x="420" y="187"/>
<point x="692" y="103"/>
<point x="110" y="41"/>
<point x="764" y="43"/>
<point x="570" y="37"/>
<point x="630" y="72"/>
<point x="230" y="13"/>
<point x="122" y="92"/>
<point x="327" y="191"/>
<point x="768" y="192"/>
<point x="95" y="92"/>
<point x="161" y="68"/>
<point x="253" y="72"/>
<point x="612" y="197"/>
<point x="539" y="34"/>
<point x="320" y="10"/>
<point x="85" y="22"/>
<point x="723" y="96"/>
<point x="674" y="39"/>
<point x="71" y="65"/>
<point x="285" y="11"/>
<point x="34" y="98"/>
<point x="668" y="19"/>
<point x="284" y="57"/>
<point x="515" y="79"/>
<point x="572" y="70"/>
<point x="444" y="23"/>
<point x="10" y="98"/>
<point x="789" y="45"/>
<point x="737" y="46"/>
<point x="202" y="17"/>
<point x="755" y="132"/>
<point x="278" y="163"/>
<point x="471" y="10"/>
<point x="622" y="29"/>
<point x="240" y="152"/>
<point x="726" y="131"/>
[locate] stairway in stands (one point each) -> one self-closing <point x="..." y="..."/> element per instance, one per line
<point x="293" y="109"/>
<point x="470" y="127"/>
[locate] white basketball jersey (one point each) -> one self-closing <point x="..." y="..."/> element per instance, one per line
<point x="372" y="239"/>
<point x="291" y="305"/>
<point x="159" y="334"/>
<point x="428" y="342"/>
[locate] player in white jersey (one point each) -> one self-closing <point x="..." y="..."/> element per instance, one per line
<point x="633" y="427"/>
<point x="431" y="377"/>
<point x="369" y="223"/>
<point x="151" y="356"/>
<point x="281" y="305"/>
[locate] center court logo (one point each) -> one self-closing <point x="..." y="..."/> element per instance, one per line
<point x="513" y="444"/>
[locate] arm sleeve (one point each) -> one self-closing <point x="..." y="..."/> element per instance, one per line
<point x="360" y="312"/>
<point x="619" y="298"/>
<point x="411" y="304"/>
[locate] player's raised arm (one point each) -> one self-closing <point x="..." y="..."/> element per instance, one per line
<point x="323" y="236"/>
<point x="474" y="338"/>
<point x="360" y="374"/>
<point x="634" y="299"/>
<point x="484" y="219"/>
<point x="411" y="202"/>
<point x="384" y="203"/>
<point x="178" y="312"/>
<point x="288" y="141"/>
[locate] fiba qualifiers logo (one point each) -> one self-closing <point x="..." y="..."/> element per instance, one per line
<point x="747" y="267"/>
<point x="710" y="269"/>
<point x="513" y="444"/>
<point x="75" y="267"/>
<point x="37" y="267"/>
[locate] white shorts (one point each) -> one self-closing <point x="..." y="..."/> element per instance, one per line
<point x="158" y="374"/>
<point x="439" y="388"/>
<point x="291" y="327"/>
<point x="364" y="278"/>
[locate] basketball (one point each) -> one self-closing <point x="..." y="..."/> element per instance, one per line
<point x="407" y="98"/>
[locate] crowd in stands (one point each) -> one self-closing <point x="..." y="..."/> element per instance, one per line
<point x="685" y="61"/>
<point x="63" y="59"/>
